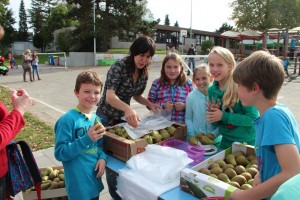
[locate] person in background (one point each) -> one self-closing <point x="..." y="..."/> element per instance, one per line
<point x="173" y="49"/>
<point x="277" y="144"/>
<point x="10" y="125"/>
<point x="126" y="79"/>
<point x="35" y="65"/>
<point x="191" y="63"/>
<point x="12" y="60"/>
<point x="286" y="64"/>
<point x="26" y="64"/>
<point x="225" y="110"/>
<point x="196" y="104"/>
<point x="78" y="141"/>
<point x="171" y="89"/>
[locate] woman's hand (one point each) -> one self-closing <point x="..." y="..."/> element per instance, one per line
<point x="179" y="106"/>
<point x="21" y="100"/>
<point x="132" y="118"/>
<point x="214" y="115"/>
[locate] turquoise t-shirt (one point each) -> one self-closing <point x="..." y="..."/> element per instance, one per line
<point x="288" y="190"/>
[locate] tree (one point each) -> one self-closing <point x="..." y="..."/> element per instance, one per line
<point x="176" y="24"/>
<point x="167" y="20"/>
<point x="206" y="46"/>
<point x="224" y="27"/>
<point x="114" y="18"/>
<point x="23" y="28"/>
<point x="7" y="21"/>
<point x="64" y="40"/>
<point x="265" y="14"/>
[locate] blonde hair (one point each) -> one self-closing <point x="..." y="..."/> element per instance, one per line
<point x="230" y="96"/>
<point x="202" y="67"/>
<point x="181" y="79"/>
<point x="27" y="51"/>
<point x="1" y="32"/>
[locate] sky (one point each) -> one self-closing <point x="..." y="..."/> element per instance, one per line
<point x="207" y="15"/>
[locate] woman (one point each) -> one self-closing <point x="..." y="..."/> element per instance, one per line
<point x="125" y="79"/>
<point x="26" y="64"/>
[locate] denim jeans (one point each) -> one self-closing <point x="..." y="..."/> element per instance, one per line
<point x="36" y="70"/>
<point x="2" y="188"/>
<point x="191" y="64"/>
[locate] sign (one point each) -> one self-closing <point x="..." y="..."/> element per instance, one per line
<point x="183" y="33"/>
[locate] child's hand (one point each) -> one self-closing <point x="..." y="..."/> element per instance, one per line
<point x="236" y="195"/>
<point x="214" y="115"/>
<point x="179" y="106"/>
<point x="169" y="106"/>
<point x="213" y="104"/>
<point x="100" y="166"/>
<point x="95" y="134"/>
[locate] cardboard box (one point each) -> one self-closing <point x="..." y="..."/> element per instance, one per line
<point x="46" y="194"/>
<point x="124" y="149"/>
<point x="201" y="185"/>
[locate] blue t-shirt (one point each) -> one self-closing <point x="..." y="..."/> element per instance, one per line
<point x="79" y="154"/>
<point x="276" y="126"/>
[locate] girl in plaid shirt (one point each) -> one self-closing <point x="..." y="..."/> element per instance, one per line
<point x="171" y="89"/>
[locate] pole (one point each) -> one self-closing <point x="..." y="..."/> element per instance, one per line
<point x="191" y="22"/>
<point x="94" y="32"/>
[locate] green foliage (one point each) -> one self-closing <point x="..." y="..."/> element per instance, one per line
<point x="36" y="133"/>
<point x="167" y="20"/>
<point x="23" y="28"/>
<point x="9" y="35"/>
<point x="206" y="46"/>
<point x="176" y="24"/>
<point x="225" y="27"/>
<point x="64" y="40"/>
<point x="265" y="14"/>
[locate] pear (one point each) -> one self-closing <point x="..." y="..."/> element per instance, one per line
<point x="241" y="160"/>
<point x="245" y="186"/>
<point x="193" y="140"/>
<point x="156" y="137"/>
<point x="148" y="138"/>
<point x="230" y="159"/>
<point x="230" y="172"/>
<point x="239" y="169"/>
<point x="240" y="179"/>
<point x="204" y="171"/>
<point x="97" y="122"/>
<point x="165" y="135"/>
<point x="210" y="136"/>
<point x="235" y="184"/>
<point x="171" y="130"/>
<point x="223" y="177"/>
<point x="206" y="140"/>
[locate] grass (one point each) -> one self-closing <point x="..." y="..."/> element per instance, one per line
<point x="36" y="133"/>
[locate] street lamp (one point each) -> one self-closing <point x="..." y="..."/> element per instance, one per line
<point x="94" y="19"/>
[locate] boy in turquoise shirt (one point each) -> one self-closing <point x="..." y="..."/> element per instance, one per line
<point x="277" y="145"/>
<point x="78" y="142"/>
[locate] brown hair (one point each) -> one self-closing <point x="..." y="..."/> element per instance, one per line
<point x="181" y="79"/>
<point x="88" y="77"/>
<point x="262" y="68"/>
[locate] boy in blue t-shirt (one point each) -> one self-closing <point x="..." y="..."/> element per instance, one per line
<point x="277" y="137"/>
<point x="78" y="142"/>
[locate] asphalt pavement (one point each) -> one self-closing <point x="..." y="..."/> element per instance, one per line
<point x="53" y="96"/>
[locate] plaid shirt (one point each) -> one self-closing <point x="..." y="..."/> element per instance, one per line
<point x="119" y="80"/>
<point x="159" y="94"/>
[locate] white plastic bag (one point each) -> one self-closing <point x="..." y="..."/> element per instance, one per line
<point x="159" y="163"/>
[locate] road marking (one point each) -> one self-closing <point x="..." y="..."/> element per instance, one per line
<point x="52" y="107"/>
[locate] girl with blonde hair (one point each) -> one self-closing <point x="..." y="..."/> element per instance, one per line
<point x="225" y="110"/>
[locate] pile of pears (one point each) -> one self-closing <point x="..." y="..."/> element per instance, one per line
<point x="237" y="169"/>
<point x="52" y="179"/>
<point x="152" y="138"/>
<point x="205" y="139"/>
